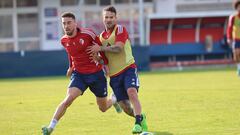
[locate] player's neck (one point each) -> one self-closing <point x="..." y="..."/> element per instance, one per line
<point x="109" y="30"/>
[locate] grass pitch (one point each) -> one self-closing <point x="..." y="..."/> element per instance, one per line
<point x="179" y="103"/>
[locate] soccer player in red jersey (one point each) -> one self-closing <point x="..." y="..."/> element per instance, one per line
<point x="233" y="34"/>
<point x="84" y="72"/>
<point x="122" y="68"/>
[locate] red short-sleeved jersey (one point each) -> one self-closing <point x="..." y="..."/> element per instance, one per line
<point x="76" y="47"/>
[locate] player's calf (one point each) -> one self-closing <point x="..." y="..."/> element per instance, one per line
<point x="127" y="108"/>
<point x="115" y="104"/>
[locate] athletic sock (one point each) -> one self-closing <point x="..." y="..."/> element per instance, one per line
<point x="114" y="99"/>
<point x="53" y="123"/>
<point x="138" y="119"/>
<point x="238" y="66"/>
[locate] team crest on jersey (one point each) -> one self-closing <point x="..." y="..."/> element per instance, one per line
<point x="81" y="41"/>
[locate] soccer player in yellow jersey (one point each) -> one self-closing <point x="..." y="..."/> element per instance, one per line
<point x="122" y="68"/>
<point x="233" y="34"/>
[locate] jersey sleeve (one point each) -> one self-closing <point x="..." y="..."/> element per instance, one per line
<point x="230" y="27"/>
<point x="63" y="43"/>
<point x="121" y="34"/>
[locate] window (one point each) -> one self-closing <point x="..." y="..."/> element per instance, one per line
<point x="6" y="3"/>
<point x="29" y="45"/>
<point x="6" y="27"/>
<point x="27" y="3"/>
<point x="143" y="1"/>
<point x="28" y="25"/>
<point x="105" y="2"/>
<point x="121" y="1"/>
<point x="93" y="21"/>
<point x="6" y="47"/>
<point x="148" y="1"/>
<point x="124" y="14"/>
<point x="69" y="2"/>
<point x="91" y="15"/>
<point x="90" y="2"/>
<point x="50" y="12"/>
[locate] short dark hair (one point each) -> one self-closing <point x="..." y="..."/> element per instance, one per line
<point x="68" y="14"/>
<point x="111" y="9"/>
<point x="236" y="3"/>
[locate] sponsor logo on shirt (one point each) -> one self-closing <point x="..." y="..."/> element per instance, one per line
<point x="81" y="41"/>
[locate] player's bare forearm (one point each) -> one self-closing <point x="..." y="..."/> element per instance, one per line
<point x="69" y="72"/>
<point x="113" y="49"/>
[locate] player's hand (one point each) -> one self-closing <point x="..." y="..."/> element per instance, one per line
<point x="95" y="48"/>
<point x="69" y="72"/>
<point x="94" y="57"/>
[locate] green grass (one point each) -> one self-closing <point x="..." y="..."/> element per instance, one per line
<point x="182" y="103"/>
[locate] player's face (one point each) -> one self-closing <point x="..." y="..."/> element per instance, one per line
<point x="109" y="19"/>
<point x="69" y="25"/>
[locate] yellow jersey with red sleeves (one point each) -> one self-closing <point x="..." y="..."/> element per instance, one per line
<point x="117" y="62"/>
<point x="234" y="27"/>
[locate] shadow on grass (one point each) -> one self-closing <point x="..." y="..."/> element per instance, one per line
<point x="161" y="133"/>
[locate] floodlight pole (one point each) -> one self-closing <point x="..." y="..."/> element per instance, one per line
<point x="141" y="22"/>
<point x="81" y="15"/>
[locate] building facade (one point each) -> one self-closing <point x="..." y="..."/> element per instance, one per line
<point x="187" y="21"/>
<point x="36" y="24"/>
<point x="30" y="25"/>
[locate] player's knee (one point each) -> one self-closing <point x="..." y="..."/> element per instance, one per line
<point x="127" y="109"/>
<point x="67" y="102"/>
<point x="238" y="58"/>
<point x="132" y="93"/>
<point x="102" y="109"/>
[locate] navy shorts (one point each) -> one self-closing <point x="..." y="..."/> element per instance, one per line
<point x="96" y="82"/>
<point x="236" y="44"/>
<point x="123" y="81"/>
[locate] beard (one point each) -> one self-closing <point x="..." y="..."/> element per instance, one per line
<point x="109" y="25"/>
<point x="69" y="33"/>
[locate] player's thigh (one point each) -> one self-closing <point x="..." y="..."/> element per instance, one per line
<point x="74" y="92"/>
<point x="125" y="104"/>
<point x="131" y="80"/>
<point x="117" y="85"/>
<point x="98" y="84"/>
<point x="236" y="51"/>
<point x="102" y="101"/>
<point x="237" y="54"/>
<point x="77" y="84"/>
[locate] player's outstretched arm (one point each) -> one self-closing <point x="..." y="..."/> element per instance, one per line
<point x="117" y="48"/>
<point x="69" y="72"/>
